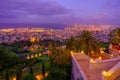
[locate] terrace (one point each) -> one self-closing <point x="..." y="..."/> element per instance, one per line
<point x="87" y="68"/>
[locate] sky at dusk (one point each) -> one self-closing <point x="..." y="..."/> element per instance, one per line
<point x="60" y="11"/>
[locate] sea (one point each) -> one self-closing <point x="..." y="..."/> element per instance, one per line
<point x="37" y="25"/>
<point x="21" y="25"/>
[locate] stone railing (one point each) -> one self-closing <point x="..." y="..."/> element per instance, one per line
<point x="113" y="73"/>
<point x="82" y="56"/>
<point x="115" y="53"/>
<point x="103" y="64"/>
<point x="95" y="65"/>
<point x="77" y="72"/>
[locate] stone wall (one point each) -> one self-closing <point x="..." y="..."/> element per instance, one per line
<point x="77" y="72"/>
<point x="103" y="64"/>
<point x="108" y="65"/>
<point x="113" y="73"/>
<point x="82" y="56"/>
<point x="115" y="53"/>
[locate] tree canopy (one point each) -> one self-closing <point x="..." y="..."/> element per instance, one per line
<point x="8" y="59"/>
<point x="88" y="43"/>
<point x="115" y="36"/>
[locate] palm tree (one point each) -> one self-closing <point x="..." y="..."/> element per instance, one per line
<point x="70" y="45"/>
<point x="115" y="36"/>
<point x="87" y="42"/>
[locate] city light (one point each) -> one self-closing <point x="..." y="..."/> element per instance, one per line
<point x="82" y="52"/>
<point x="60" y="39"/>
<point x="106" y="73"/>
<point x="39" y="77"/>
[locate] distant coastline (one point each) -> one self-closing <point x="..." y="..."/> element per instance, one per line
<point x="30" y="25"/>
<point x="21" y="25"/>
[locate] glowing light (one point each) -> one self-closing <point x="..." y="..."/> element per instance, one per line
<point x="82" y="52"/>
<point x="46" y="74"/>
<point x="32" y="39"/>
<point x="103" y="48"/>
<point x="92" y="52"/>
<point x="104" y="73"/>
<point x="91" y="60"/>
<point x="7" y="30"/>
<point x="39" y="77"/>
<point x="39" y="54"/>
<point x="100" y="58"/>
<point x="111" y="55"/>
<point x="36" y="55"/>
<point x="71" y="52"/>
<point x="14" y="78"/>
<point x="32" y="56"/>
<point x="102" y="51"/>
<point x="28" y="57"/>
<point x="40" y="30"/>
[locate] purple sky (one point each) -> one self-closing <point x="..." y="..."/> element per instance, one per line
<point x="60" y="11"/>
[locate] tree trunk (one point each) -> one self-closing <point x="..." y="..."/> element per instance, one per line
<point x="19" y="74"/>
<point x="7" y="75"/>
<point x="43" y="69"/>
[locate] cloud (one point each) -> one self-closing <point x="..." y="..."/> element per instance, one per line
<point x="111" y="9"/>
<point x="56" y="11"/>
<point x="23" y="8"/>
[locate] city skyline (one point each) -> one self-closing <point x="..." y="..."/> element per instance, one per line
<point x="60" y="11"/>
